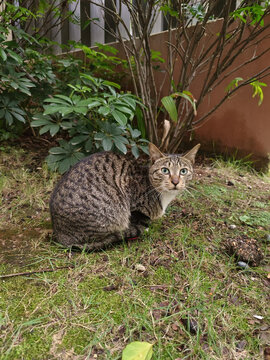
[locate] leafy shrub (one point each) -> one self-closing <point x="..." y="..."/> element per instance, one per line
<point x="26" y="78"/>
<point x="93" y="117"/>
<point x="87" y="114"/>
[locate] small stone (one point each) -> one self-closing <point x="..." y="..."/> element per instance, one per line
<point x="241" y="345"/>
<point x="232" y="226"/>
<point x="140" y="267"/>
<point x="258" y="317"/>
<point x="242" y="265"/>
<point x="267" y="238"/>
<point x="249" y="187"/>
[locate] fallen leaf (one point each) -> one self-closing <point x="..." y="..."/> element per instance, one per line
<point x="241" y="345"/>
<point x="110" y="287"/>
<point x="138" y="350"/>
<point x="156" y="314"/>
<point x="140" y="267"/>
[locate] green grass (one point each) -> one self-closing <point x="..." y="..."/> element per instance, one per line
<point x="99" y="303"/>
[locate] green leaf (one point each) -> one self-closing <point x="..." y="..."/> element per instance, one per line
<point x="144" y="148"/>
<point x="44" y="129"/>
<point x="121" y="146"/>
<point x="8" y="118"/>
<point x="156" y="56"/>
<point x="90" y="103"/>
<point x="119" y="117"/>
<point x="107" y="143"/>
<point x="120" y="139"/>
<point x="54" y="101"/>
<point x="25" y="91"/>
<point x="15" y="56"/>
<point x="107" y="48"/>
<point x="17" y="110"/>
<point x="57" y="150"/>
<point x="88" y="145"/>
<point x="188" y="96"/>
<point x="40" y="122"/>
<point x="50" y="109"/>
<point x="18" y="116"/>
<point x="140" y="121"/>
<point x="233" y="84"/>
<point x="104" y="110"/>
<point x="78" y="155"/>
<point x="66" y="98"/>
<point x="110" y="83"/>
<point x="135" y="151"/>
<point x="257" y="90"/>
<point x="65" y="165"/>
<point x="78" y="139"/>
<point x="124" y="109"/>
<point x="99" y="136"/>
<point x="138" y="351"/>
<point x="54" y="128"/>
<point x="3" y="54"/>
<point x="135" y="133"/>
<point x="170" y="107"/>
<point x="66" y="125"/>
<point x="79" y="110"/>
<point x="56" y="158"/>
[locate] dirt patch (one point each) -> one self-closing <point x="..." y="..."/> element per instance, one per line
<point x="17" y="248"/>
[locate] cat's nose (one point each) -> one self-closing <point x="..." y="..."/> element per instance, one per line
<point x="175" y="180"/>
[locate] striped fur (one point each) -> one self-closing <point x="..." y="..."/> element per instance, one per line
<point x="106" y="198"/>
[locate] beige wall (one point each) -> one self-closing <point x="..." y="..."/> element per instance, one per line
<point x="239" y="124"/>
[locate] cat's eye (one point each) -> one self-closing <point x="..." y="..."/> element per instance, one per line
<point x="183" y="171"/>
<point x="165" y="171"/>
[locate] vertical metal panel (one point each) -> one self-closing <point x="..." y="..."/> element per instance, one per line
<point x="97" y="26"/>
<point x="110" y="25"/>
<point x="75" y="29"/>
<point x="158" y="24"/>
<point x="85" y="17"/>
<point x="124" y="14"/>
<point x="55" y="34"/>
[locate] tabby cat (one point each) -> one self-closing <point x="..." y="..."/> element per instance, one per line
<point x="106" y="197"/>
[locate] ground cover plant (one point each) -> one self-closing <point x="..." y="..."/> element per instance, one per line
<point x="62" y="97"/>
<point x="176" y="287"/>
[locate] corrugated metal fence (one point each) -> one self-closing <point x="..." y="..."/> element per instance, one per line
<point x="91" y="22"/>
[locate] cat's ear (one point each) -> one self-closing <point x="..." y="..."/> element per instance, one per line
<point x="154" y="152"/>
<point x="192" y="153"/>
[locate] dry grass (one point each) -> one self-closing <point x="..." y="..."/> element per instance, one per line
<point x="191" y="300"/>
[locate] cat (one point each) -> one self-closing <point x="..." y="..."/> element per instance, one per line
<point x="107" y="197"/>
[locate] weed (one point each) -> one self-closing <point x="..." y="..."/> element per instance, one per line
<point x="191" y="301"/>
